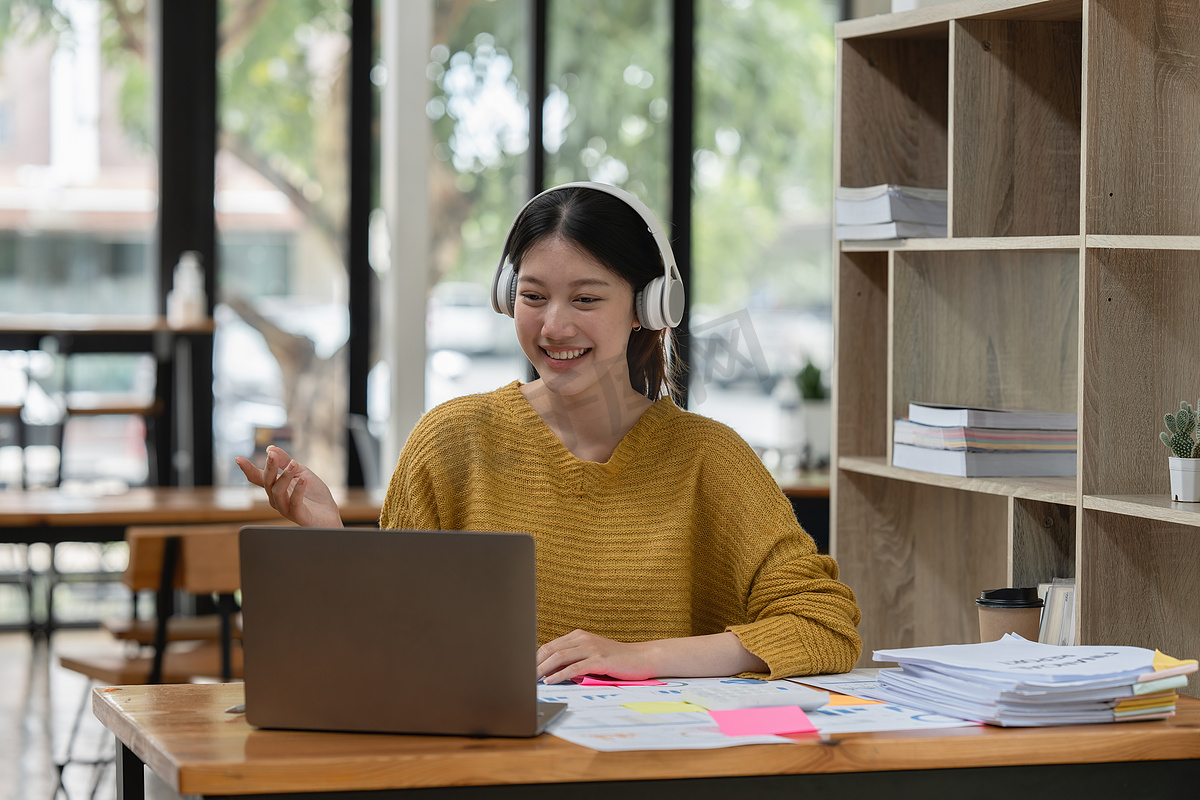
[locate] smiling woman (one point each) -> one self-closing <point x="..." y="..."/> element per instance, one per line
<point x="574" y="321"/>
<point x="615" y="231"/>
<point x="664" y="547"/>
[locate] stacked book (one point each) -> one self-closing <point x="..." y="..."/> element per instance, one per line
<point x="985" y="442"/>
<point x="1015" y="682"/>
<point x="889" y="211"/>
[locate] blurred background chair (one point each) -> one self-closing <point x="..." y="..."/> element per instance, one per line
<point x="186" y="567"/>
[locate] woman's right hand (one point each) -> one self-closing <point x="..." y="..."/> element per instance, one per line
<point x="293" y="490"/>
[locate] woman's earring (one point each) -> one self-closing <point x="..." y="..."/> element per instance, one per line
<point x="637" y="328"/>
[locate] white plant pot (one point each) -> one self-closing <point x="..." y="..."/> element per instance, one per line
<point x="815" y="418"/>
<point x="1185" y="479"/>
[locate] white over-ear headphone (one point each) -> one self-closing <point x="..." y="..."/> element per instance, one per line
<point x="659" y="305"/>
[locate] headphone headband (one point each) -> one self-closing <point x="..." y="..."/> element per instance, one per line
<point x="659" y="305"/>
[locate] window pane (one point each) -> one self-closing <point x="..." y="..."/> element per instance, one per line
<point x="281" y="202"/>
<point x="479" y="111"/>
<point x="78" y="200"/>
<point x="762" y="280"/>
<point x="607" y="111"/>
<point x="78" y="175"/>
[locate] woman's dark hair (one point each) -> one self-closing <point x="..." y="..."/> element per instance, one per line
<point x="610" y="231"/>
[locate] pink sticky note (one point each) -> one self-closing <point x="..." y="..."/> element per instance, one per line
<point x="588" y="680"/>
<point x="760" y="721"/>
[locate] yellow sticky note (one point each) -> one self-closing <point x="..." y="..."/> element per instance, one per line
<point x="1163" y="661"/>
<point x="1149" y="701"/>
<point x="836" y="699"/>
<point x="662" y="707"/>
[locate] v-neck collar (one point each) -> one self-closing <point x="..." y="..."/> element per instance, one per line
<point x="631" y="442"/>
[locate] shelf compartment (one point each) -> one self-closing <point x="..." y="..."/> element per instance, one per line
<point x="1141" y="328"/>
<point x="892" y="103"/>
<point x="1015" y="128"/>
<point x="1059" y="491"/>
<point x="1142" y="87"/>
<point x="927" y="548"/>
<point x="995" y="329"/>
<point x="1137" y="585"/>
<point x="861" y="317"/>
<point x="1043" y="542"/>
<point x="925" y="552"/>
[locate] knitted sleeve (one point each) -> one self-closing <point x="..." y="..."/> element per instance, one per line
<point x="803" y="620"/>
<point x="411" y="501"/>
<point x="799" y="618"/>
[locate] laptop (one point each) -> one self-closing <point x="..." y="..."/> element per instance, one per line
<point x="428" y="632"/>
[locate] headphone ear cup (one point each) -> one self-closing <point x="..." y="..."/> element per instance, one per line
<point x="648" y="305"/>
<point x="512" y="292"/>
<point x="672" y="302"/>
<point x="505" y="292"/>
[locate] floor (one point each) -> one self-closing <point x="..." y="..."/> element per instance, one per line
<point x="39" y="705"/>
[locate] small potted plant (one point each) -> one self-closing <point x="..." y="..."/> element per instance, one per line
<point x="1185" y="453"/>
<point x="815" y="412"/>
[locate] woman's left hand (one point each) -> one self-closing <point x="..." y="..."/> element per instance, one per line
<point x="581" y="653"/>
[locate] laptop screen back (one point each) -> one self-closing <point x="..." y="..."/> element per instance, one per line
<point x="389" y="631"/>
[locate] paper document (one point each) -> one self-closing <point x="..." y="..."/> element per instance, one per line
<point x="851" y="710"/>
<point x="657" y="718"/>
<point x="642" y="718"/>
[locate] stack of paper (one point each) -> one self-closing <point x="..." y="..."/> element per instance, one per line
<point x="889" y="211"/>
<point x="990" y="440"/>
<point x="979" y="442"/>
<point x="1015" y="682"/>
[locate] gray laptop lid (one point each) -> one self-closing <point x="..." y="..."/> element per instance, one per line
<point x="350" y="629"/>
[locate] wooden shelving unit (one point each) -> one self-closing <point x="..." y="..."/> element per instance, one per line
<point x="1068" y="135"/>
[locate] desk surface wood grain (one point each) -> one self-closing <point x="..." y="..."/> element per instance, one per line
<point x="184" y="734"/>
<point x="160" y="506"/>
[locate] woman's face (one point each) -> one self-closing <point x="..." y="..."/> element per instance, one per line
<point x="574" y="317"/>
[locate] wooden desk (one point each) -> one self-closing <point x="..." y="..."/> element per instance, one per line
<point x="54" y="515"/>
<point x="185" y="736"/>
<point x="809" y="483"/>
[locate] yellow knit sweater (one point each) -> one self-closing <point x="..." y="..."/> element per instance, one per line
<point x="681" y="532"/>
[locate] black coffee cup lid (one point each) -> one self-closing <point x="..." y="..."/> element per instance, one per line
<point x="1010" y="598"/>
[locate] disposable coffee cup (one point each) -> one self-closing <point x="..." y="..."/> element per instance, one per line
<point x="1004" y="611"/>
